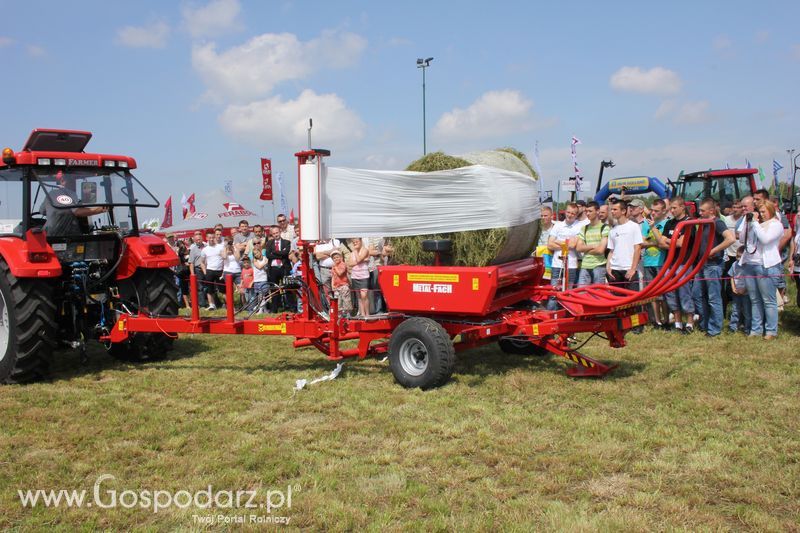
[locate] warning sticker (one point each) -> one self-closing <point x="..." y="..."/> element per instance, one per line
<point x="272" y="327"/>
<point x="419" y="276"/>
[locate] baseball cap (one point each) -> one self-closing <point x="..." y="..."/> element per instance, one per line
<point x="336" y="252"/>
<point x="636" y="202"/>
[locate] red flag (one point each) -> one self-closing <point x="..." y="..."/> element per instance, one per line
<point x="266" y="174"/>
<point x="190" y="201"/>
<point x="291" y="216"/>
<point x="167" y="222"/>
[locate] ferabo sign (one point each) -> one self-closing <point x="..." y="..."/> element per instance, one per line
<point x="266" y="175"/>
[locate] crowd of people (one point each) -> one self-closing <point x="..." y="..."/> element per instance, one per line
<point x="625" y="243"/>
<point x="266" y="267"/>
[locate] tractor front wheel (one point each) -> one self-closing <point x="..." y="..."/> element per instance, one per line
<point x="421" y="354"/>
<point x="27" y="327"/>
<point x="150" y="292"/>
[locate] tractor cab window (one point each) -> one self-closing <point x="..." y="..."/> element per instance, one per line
<point x="79" y="201"/>
<point x="11" y="185"/>
<point x="696" y="189"/>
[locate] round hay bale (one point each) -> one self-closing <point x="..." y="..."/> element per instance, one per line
<point x="477" y="247"/>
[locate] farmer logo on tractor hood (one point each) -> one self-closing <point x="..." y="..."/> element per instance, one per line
<point x="83" y="163"/>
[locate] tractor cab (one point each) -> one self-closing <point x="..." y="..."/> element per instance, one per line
<point x="724" y="186"/>
<point x="69" y="239"/>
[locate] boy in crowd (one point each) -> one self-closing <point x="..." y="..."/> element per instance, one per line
<point x="680" y="301"/>
<point x="564" y="233"/>
<point x="741" y="310"/>
<point x="625" y="248"/>
<point x="709" y="285"/>
<point x="653" y="258"/>
<point x="625" y="245"/>
<point x="592" y="241"/>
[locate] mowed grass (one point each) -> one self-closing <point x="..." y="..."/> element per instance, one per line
<point x="689" y="433"/>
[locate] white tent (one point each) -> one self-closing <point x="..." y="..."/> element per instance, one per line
<point x="216" y="207"/>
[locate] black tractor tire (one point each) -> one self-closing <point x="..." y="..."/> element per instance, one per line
<point x="28" y="315"/>
<point x="421" y="354"/>
<point x="521" y="347"/>
<point x="150" y="292"/>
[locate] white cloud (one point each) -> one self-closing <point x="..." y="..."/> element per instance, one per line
<point x="400" y="41"/>
<point x="5" y="41"/>
<point x="494" y="114"/>
<point x="657" y="80"/>
<point x="253" y="69"/>
<point x="218" y="17"/>
<point x="35" y="50"/>
<point x="666" y="108"/>
<point x="685" y="113"/>
<point x="693" y="113"/>
<point x="721" y="42"/>
<point x="151" y="36"/>
<point x="275" y="121"/>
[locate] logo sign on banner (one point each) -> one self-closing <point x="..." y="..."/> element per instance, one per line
<point x="266" y="174"/>
<point x="574" y="185"/>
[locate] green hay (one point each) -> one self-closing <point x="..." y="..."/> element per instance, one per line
<point x="470" y="248"/>
<point x="522" y="157"/>
<point x="437" y="161"/>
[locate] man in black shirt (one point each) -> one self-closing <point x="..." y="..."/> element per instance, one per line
<point x="680" y="301"/>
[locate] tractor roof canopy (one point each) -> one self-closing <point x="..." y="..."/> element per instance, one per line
<point x="62" y="148"/>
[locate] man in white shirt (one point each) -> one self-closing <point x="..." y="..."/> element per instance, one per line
<point x="211" y="262"/>
<point x="287" y="230"/>
<point x="564" y="232"/>
<point x="322" y="253"/>
<point x="625" y="245"/>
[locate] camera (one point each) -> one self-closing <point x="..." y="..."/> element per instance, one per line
<point x="749" y="217"/>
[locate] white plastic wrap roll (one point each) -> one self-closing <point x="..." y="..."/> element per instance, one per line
<point x="310" y="200"/>
<point x="375" y="203"/>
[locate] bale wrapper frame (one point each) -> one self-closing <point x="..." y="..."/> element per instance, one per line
<point x="436" y="311"/>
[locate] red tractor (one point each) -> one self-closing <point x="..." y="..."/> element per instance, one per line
<point x="72" y="257"/>
<point x="721" y="185"/>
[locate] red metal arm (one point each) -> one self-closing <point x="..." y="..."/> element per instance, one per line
<point x="680" y="266"/>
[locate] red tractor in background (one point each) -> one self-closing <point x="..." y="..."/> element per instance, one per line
<point x="72" y="257"/>
<point x="724" y="186"/>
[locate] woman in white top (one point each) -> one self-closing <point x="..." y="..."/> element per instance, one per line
<point x="762" y="269"/>
<point x="794" y="261"/>
<point x="231" y="264"/>
<point x="260" y="278"/>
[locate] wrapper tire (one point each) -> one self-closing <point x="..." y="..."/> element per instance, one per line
<point x="421" y="354"/>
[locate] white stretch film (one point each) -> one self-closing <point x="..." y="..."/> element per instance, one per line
<point x="310" y="202"/>
<point x="380" y="203"/>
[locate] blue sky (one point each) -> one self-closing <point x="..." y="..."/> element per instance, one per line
<point x="198" y="91"/>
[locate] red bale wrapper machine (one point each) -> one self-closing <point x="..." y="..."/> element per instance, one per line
<point x="436" y="311"/>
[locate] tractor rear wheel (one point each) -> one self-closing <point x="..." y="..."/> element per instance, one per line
<point x="27" y="327"/>
<point x="421" y="354"/>
<point x="521" y="347"/>
<point x="151" y="292"/>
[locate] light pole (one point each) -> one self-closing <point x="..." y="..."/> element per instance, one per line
<point x="423" y="64"/>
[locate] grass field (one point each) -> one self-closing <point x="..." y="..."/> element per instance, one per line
<point x="689" y="433"/>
